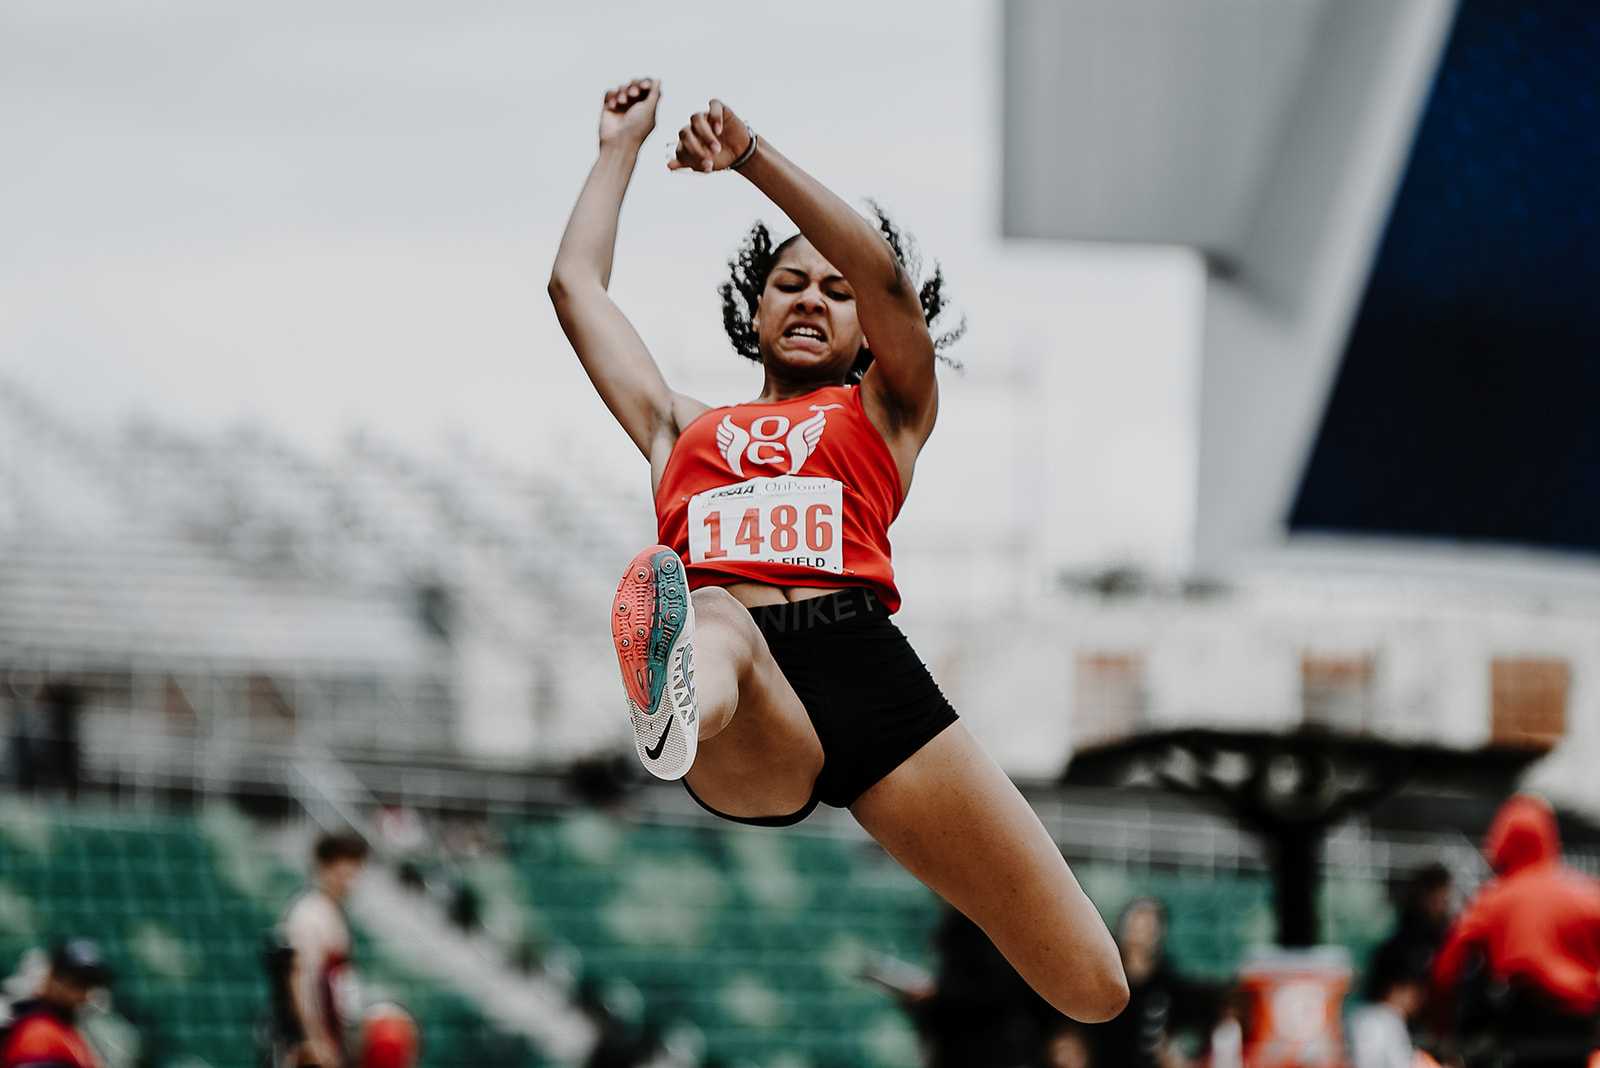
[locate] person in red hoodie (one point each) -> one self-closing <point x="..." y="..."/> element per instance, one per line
<point x="43" y="1030"/>
<point x="1535" y="929"/>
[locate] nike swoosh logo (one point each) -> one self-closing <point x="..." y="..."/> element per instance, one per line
<point x="654" y="751"/>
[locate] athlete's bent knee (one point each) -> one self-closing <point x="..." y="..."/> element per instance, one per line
<point x="716" y="607"/>
<point x="715" y="599"/>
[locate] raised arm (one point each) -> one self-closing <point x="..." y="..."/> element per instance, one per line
<point x="616" y="360"/>
<point x="902" y="372"/>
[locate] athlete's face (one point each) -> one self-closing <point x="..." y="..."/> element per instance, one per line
<point x="806" y="321"/>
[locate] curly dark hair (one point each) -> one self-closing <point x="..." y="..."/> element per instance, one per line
<point x="750" y="266"/>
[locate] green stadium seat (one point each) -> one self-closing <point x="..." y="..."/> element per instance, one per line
<point x="770" y="910"/>
<point x="114" y="878"/>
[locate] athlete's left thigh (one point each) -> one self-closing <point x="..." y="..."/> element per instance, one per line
<point x="951" y="817"/>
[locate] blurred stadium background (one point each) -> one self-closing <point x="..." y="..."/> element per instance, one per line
<point x="1382" y="464"/>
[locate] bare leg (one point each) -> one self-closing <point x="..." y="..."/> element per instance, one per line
<point x="951" y="817"/>
<point x="759" y="755"/>
<point x="725" y="650"/>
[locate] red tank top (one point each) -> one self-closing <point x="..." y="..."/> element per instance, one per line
<point x="793" y="493"/>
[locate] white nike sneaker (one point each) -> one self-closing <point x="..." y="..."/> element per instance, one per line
<point x="652" y="626"/>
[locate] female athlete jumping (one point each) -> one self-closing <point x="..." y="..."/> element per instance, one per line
<point x="779" y="682"/>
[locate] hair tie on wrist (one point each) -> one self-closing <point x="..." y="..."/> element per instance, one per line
<point x="749" y="150"/>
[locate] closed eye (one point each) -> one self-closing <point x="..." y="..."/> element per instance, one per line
<point x="842" y="298"/>
<point x="794" y="282"/>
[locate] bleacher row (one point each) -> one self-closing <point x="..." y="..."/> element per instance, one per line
<point x="752" y="941"/>
<point x="148" y="547"/>
<point x="757" y="936"/>
<point x="753" y="936"/>
<point x="368" y="515"/>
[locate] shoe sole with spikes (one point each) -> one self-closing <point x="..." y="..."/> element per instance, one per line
<point x="652" y="627"/>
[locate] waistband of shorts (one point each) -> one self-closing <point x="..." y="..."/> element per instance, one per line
<point x="853" y="603"/>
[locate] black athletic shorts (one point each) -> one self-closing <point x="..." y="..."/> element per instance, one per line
<point x="871" y="700"/>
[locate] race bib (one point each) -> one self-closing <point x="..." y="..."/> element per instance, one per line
<point x="785" y="520"/>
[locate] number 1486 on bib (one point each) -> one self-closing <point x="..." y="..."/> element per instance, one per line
<point x="772" y="520"/>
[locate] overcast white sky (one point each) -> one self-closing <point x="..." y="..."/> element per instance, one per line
<point x="321" y="217"/>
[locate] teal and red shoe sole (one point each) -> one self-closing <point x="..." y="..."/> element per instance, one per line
<point x="652" y="628"/>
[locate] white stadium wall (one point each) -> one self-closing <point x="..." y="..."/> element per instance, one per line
<point x="1246" y="660"/>
<point x="1272" y="137"/>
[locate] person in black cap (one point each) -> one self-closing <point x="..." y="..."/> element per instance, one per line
<point x="43" y="1031"/>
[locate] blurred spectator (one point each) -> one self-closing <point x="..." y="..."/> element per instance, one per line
<point x="1397" y="983"/>
<point x="1423" y="902"/>
<point x="322" y="995"/>
<point x="402" y="831"/>
<point x="1068" y="1047"/>
<point x="1227" y="1034"/>
<point x="977" y="1012"/>
<point x="43" y="1031"/>
<point x="1536" y="930"/>
<point x="980" y="1012"/>
<point x="467" y="838"/>
<point x="1161" y="1003"/>
<point x="625" y="1039"/>
<point x="466" y="906"/>
<point x="410" y="874"/>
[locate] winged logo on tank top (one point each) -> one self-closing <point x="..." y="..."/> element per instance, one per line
<point x="771" y="441"/>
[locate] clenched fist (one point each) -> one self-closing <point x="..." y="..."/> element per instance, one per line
<point x="713" y="139"/>
<point x="629" y="113"/>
